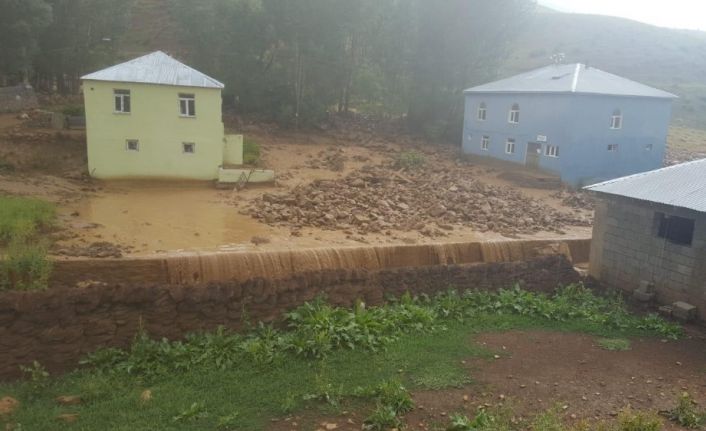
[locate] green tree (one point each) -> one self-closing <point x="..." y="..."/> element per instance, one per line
<point x="83" y="35"/>
<point x="21" y="21"/>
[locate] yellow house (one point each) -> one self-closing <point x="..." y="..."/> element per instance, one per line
<point x="154" y="117"/>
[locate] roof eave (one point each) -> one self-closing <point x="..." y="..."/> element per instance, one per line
<point x="218" y="85"/>
<point x="667" y="96"/>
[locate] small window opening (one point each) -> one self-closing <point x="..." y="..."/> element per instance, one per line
<point x="514" y="116"/>
<point x="482" y="112"/>
<point x="122" y="101"/>
<point x="675" y="229"/>
<point x="648" y="147"/>
<point x="187" y="105"/>
<point x="510" y="146"/>
<point x="188" y="147"/>
<point x="485" y="143"/>
<point x="551" y="151"/>
<point x="132" y="145"/>
<point x="612" y="147"/>
<point x="616" y="121"/>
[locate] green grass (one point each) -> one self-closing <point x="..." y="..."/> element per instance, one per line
<point x="614" y="344"/>
<point x="251" y="152"/>
<point x="23" y="252"/>
<point x="227" y="379"/>
<point x="24" y="217"/>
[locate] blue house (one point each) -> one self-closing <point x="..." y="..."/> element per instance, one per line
<point x="571" y="120"/>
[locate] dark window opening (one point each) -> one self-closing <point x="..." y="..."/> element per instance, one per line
<point x="677" y="230"/>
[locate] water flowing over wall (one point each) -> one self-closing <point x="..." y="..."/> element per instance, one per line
<point x="196" y="267"/>
<point x="59" y="326"/>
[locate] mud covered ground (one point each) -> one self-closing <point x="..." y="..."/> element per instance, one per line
<point x="534" y="371"/>
<point x="340" y="186"/>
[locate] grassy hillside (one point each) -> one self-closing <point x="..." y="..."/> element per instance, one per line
<point x="673" y="60"/>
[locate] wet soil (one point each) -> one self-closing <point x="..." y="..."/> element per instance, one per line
<point x="536" y="370"/>
<point x="143" y="218"/>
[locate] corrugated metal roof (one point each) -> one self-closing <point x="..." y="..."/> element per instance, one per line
<point x="681" y="185"/>
<point x="571" y="78"/>
<point x="155" y="68"/>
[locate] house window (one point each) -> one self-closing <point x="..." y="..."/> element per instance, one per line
<point x="510" y="146"/>
<point x="514" y="115"/>
<point x="485" y="143"/>
<point x="122" y="101"/>
<point x="482" y="112"/>
<point x="613" y="147"/>
<point x="551" y="151"/>
<point x="187" y="105"/>
<point x="616" y="121"/>
<point x="132" y="145"/>
<point x="677" y="230"/>
<point x="188" y="147"/>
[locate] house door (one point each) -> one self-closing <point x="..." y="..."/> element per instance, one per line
<point x="534" y="150"/>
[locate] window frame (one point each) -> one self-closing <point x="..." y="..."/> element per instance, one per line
<point x="551" y="151"/>
<point x="482" y="114"/>
<point x="184" y="146"/>
<point x="132" y="150"/>
<point x="513" y="117"/>
<point x="675" y="229"/>
<point x="616" y="120"/>
<point x="122" y="95"/>
<point x="485" y="143"/>
<point x="510" y="144"/>
<point x="187" y="105"/>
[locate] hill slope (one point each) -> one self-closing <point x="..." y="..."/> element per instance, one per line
<point x="673" y="60"/>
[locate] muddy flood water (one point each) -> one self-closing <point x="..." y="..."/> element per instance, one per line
<point x="152" y="217"/>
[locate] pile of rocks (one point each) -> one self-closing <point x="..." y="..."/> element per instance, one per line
<point x="378" y="199"/>
<point x="332" y="159"/>
<point x="575" y="199"/>
<point x="100" y="249"/>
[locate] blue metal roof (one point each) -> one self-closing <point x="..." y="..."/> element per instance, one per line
<point x="681" y="185"/>
<point x="155" y="68"/>
<point x="571" y="78"/>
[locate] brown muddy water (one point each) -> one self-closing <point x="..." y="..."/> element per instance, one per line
<point x="154" y="217"/>
<point x="204" y="267"/>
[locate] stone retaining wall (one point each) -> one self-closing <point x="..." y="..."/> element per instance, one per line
<point x="59" y="326"/>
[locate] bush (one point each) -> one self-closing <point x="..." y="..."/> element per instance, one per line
<point x="74" y="110"/>
<point x="251" y="152"/>
<point x="25" y="266"/>
<point x="23" y="217"/>
<point x="686" y="414"/>
<point x="317" y="329"/>
<point x="629" y="420"/>
<point x="410" y="160"/>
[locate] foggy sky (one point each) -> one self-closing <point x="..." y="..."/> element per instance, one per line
<point x="690" y="14"/>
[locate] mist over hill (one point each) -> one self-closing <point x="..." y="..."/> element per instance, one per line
<point x="669" y="59"/>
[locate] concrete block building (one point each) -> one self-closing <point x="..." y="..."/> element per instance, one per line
<point x="652" y="227"/>
<point x="571" y="120"/>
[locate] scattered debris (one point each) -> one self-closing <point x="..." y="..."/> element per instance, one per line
<point x="377" y="198"/>
<point x="101" y="249"/>
<point x="257" y="240"/>
<point x="575" y="199"/>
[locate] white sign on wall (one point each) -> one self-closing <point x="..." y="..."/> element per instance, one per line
<point x="541" y="138"/>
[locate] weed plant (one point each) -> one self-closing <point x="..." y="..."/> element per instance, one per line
<point x="319" y="356"/>
<point x="317" y="329"/>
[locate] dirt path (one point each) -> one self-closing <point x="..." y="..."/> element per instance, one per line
<point x="537" y="370"/>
